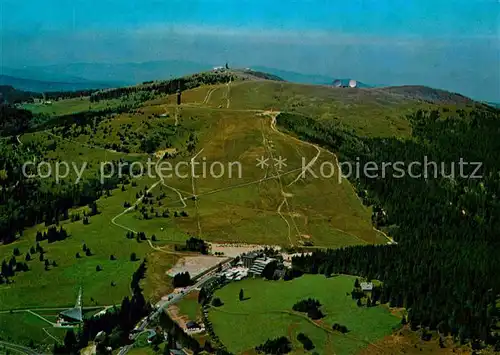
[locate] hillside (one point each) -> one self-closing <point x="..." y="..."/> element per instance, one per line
<point x="255" y="140"/>
<point x="428" y="94"/>
<point x="369" y="111"/>
<point x="301" y="78"/>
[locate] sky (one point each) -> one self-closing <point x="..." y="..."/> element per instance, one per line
<point x="450" y="44"/>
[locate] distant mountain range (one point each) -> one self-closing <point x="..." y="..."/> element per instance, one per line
<point x="79" y="76"/>
<point x="494" y="104"/>
<point x="82" y="76"/>
<point x="306" y="78"/>
<point x="45" y="86"/>
<point x="106" y="74"/>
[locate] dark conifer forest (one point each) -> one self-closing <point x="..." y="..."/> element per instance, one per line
<point x="445" y="266"/>
<point x="167" y="87"/>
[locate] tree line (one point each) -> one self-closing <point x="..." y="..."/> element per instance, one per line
<point x="8" y="94"/>
<point x="310" y="306"/>
<point x="280" y="345"/>
<point x="165" y="87"/>
<point x="194" y="244"/>
<point x="81" y="119"/>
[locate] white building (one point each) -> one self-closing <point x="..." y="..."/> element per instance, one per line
<point x="366" y="286"/>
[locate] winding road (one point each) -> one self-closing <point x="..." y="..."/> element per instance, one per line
<point x="319" y="149"/>
<point x="131" y="208"/>
<point x="206" y="100"/>
<point x="171" y="299"/>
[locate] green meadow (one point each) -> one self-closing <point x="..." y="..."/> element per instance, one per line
<point x="267" y="313"/>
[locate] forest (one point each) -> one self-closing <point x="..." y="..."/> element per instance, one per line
<point x="444" y="268"/>
<point x="165" y="87"/>
<point x="25" y="202"/>
<point x="9" y="94"/>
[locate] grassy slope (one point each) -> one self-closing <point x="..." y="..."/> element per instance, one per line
<point x="68" y="106"/>
<point x="369" y="112"/>
<point x="243" y="325"/>
<point x="245" y="209"/>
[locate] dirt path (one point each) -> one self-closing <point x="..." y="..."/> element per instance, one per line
<point x="206" y="100"/>
<point x="390" y="240"/>
<point x="181" y="198"/>
<point x="174" y="313"/>
<point x="313" y="161"/>
<point x="42" y="318"/>
<point x="131" y="208"/>
<point x="264" y="144"/>
<point x="228" y="94"/>
<point x="273" y="116"/>
<point x="195" y="196"/>
<point x="51" y="309"/>
<point x="176" y="116"/>
<point x="51" y="336"/>
<point x="267" y="146"/>
<point x="286" y="221"/>
<point x="162" y="178"/>
<point x="291" y="313"/>
<point x="211" y="192"/>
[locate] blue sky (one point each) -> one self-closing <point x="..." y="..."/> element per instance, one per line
<point x="452" y="44"/>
